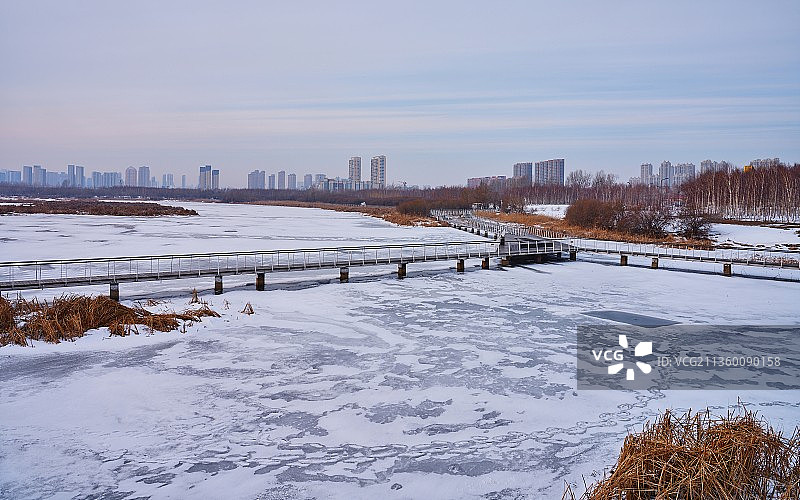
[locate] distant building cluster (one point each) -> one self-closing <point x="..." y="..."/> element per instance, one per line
<point x="540" y="173"/>
<point x="672" y="176"/>
<point x="75" y="176"/>
<point x="765" y="163"/>
<point x="259" y="179"/>
<point x="668" y="175"/>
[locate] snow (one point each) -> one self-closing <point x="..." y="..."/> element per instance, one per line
<point x="739" y="235"/>
<point x="441" y="385"/>
<point x="217" y="228"/>
<point x="557" y="211"/>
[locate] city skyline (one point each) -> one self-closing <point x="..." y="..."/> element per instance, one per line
<point x="448" y="91"/>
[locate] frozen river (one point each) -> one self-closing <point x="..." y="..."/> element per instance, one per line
<point x="442" y="385"/>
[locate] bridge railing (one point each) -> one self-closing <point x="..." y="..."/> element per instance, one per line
<point x="756" y="257"/>
<point x="109" y="269"/>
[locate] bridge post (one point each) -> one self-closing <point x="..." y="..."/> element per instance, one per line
<point x="113" y="291"/>
<point x="485" y="263"/>
<point x="654" y="263"/>
<point x="726" y="269"/>
<point x="505" y="261"/>
<point x="344" y="274"/>
<point x="486" y="234"/>
<point x="623" y="260"/>
<point x="460" y="265"/>
<point x="573" y="255"/>
<point x="260" y="282"/>
<point x="401" y="270"/>
<point x="218" y="284"/>
<point x="495" y="236"/>
<point x="502" y="240"/>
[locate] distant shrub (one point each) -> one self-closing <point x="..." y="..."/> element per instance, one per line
<point x="415" y="207"/>
<point x="590" y="214"/>
<point x="643" y="220"/>
<point x="693" y="222"/>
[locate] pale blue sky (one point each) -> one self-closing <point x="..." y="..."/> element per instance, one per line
<point x="446" y="90"/>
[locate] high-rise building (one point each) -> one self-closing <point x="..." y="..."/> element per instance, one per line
<point x="291" y="181"/>
<point x="39" y="176"/>
<point x="130" y="177"/>
<point x="377" y="172"/>
<point x="354" y="170"/>
<point x="282" y="179"/>
<point x="183" y="181"/>
<point x="665" y="174"/>
<point x="143" y="179"/>
<point x="549" y="172"/>
<point x="682" y="172"/>
<point x="524" y="170"/>
<point x="14" y="177"/>
<point x="271" y="181"/>
<point x="204" y="180"/>
<point x="27" y="175"/>
<point x="308" y="181"/>
<point x="319" y="179"/>
<point x="80" y="178"/>
<point x="97" y="180"/>
<point x="71" y="175"/>
<point x="646" y="177"/>
<point x="167" y="181"/>
<point x="256" y="179"/>
<point x="215" y="179"/>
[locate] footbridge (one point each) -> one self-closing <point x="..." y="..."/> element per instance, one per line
<point x="35" y="274"/>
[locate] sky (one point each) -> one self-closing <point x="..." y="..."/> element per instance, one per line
<point x="445" y="89"/>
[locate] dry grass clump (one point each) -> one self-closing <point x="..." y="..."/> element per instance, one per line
<point x="70" y="316"/>
<point x="697" y="456"/>
<point x="248" y="309"/>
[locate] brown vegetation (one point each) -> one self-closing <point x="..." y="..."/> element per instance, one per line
<point x="70" y="316"/>
<point x="737" y="456"/>
<point x="562" y="226"/>
<point x="389" y="214"/>
<point x="92" y="207"/>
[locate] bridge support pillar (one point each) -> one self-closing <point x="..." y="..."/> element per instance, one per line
<point x="218" y="284"/>
<point x="344" y="274"/>
<point x="573" y="255"/>
<point x="726" y="270"/>
<point x="505" y="261"/>
<point x="485" y="263"/>
<point x="654" y="263"/>
<point x="460" y="265"/>
<point x="486" y="234"/>
<point x="260" y="282"/>
<point x="472" y="230"/>
<point x="538" y="258"/>
<point x="495" y="236"/>
<point x="113" y="291"/>
<point x="502" y="240"/>
<point x="623" y="260"/>
<point x="401" y="270"/>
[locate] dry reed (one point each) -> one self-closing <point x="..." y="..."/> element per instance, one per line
<point x="698" y="456"/>
<point x="71" y="316"/>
